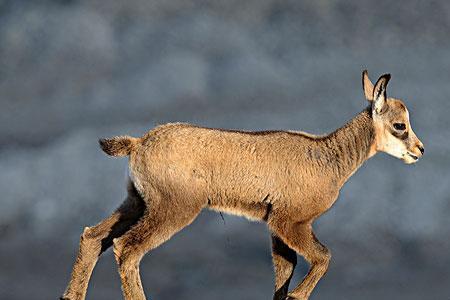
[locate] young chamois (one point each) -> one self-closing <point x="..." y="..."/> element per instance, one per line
<point x="284" y="178"/>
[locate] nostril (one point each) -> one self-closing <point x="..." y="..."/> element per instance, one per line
<point x="422" y="149"/>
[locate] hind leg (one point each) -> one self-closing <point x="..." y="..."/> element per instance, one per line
<point x="96" y="239"/>
<point x="161" y="222"/>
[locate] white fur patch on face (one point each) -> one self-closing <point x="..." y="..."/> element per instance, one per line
<point x="393" y="146"/>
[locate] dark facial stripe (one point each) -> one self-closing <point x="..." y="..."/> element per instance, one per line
<point x="400" y="135"/>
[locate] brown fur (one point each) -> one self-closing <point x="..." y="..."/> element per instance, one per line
<point x="286" y="179"/>
<point x="118" y="146"/>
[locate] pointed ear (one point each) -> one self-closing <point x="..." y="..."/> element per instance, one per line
<point x="379" y="93"/>
<point x="367" y="86"/>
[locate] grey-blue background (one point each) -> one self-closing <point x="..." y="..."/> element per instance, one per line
<point x="73" y="71"/>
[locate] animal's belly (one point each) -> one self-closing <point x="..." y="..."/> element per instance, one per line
<point x="254" y="210"/>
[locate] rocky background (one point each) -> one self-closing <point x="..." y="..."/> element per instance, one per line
<point x="72" y="71"/>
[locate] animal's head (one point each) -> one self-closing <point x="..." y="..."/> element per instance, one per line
<point x="393" y="132"/>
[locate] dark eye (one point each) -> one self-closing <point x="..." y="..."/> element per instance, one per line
<point x="399" y="126"/>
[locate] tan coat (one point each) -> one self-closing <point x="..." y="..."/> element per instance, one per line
<point x="254" y="174"/>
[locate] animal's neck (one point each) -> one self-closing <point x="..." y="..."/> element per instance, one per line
<point x="352" y="145"/>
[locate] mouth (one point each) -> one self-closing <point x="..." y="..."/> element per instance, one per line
<point x="410" y="158"/>
<point x="413" y="156"/>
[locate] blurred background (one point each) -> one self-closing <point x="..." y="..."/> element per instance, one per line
<point x="72" y="71"/>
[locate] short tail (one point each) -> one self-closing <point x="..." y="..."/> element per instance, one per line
<point x="119" y="145"/>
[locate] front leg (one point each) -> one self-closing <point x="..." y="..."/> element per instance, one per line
<point x="284" y="262"/>
<point x="299" y="236"/>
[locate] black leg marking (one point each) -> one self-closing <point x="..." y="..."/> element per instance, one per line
<point x="130" y="212"/>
